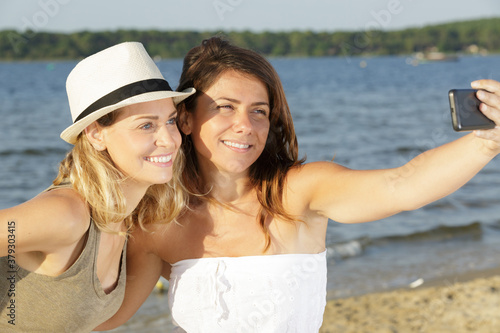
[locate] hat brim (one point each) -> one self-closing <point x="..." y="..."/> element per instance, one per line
<point x="71" y="133"/>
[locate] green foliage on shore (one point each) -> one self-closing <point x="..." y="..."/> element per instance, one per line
<point x="482" y="35"/>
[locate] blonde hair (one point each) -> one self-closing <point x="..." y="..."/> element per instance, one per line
<point x="94" y="176"/>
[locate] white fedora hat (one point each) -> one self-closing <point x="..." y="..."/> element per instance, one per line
<point x="118" y="76"/>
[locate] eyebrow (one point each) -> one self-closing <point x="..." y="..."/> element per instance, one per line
<point x="238" y="101"/>
<point x="155" y="117"/>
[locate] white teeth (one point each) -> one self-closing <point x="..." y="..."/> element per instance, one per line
<point x="161" y="159"/>
<point x="235" y="145"/>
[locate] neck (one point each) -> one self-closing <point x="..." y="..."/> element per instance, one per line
<point x="133" y="194"/>
<point x="227" y="187"/>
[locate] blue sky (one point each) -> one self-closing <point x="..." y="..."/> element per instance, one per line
<point x="255" y="15"/>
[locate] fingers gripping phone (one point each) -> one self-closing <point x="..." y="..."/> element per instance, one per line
<point x="465" y="113"/>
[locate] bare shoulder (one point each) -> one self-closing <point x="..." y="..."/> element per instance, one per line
<point x="51" y="219"/>
<point x="310" y="174"/>
<point x="305" y="183"/>
<point x="68" y="209"/>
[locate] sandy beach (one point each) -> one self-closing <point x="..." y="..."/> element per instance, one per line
<point x="469" y="303"/>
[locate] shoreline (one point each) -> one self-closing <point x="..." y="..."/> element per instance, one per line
<point x="469" y="302"/>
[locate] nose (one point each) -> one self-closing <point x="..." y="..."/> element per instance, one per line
<point x="166" y="136"/>
<point x="242" y="123"/>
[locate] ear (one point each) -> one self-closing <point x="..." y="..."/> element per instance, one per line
<point x="95" y="136"/>
<point x="185" y="119"/>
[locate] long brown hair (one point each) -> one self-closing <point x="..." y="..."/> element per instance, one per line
<point x="203" y="65"/>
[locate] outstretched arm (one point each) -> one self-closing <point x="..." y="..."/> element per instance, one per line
<point x="352" y="196"/>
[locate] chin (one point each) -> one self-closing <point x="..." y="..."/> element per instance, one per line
<point x="163" y="180"/>
<point x="238" y="168"/>
<point x="158" y="180"/>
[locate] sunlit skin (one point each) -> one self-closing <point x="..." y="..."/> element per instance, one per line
<point x="143" y="141"/>
<point x="230" y="124"/>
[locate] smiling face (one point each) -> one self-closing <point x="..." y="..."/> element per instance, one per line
<point x="143" y="141"/>
<point x="230" y="123"/>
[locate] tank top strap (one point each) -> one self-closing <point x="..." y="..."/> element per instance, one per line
<point x="64" y="184"/>
<point x="89" y="252"/>
<point x="94" y="238"/>
<point x="93" y="241"/>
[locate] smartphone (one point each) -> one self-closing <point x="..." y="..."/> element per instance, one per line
<point x="465" y="113"/>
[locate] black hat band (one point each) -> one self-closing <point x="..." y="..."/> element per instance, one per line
<point x="121" y="94"/>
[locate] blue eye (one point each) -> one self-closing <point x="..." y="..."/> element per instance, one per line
<point x="172" y="121"/>
<point x="146" y="126"/>
<point x="261" y="112"/>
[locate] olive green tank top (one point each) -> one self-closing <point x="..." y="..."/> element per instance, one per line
<point x="71" y="302"/>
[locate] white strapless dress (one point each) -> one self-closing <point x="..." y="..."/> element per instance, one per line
<point x="273" y="293"/>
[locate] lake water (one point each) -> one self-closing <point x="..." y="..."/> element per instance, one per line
<point x="366" y="112"/>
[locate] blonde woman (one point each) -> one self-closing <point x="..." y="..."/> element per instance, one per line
<point x="62" y="262"/>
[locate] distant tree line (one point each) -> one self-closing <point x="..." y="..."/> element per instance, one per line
<point x="468" y="36"/>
